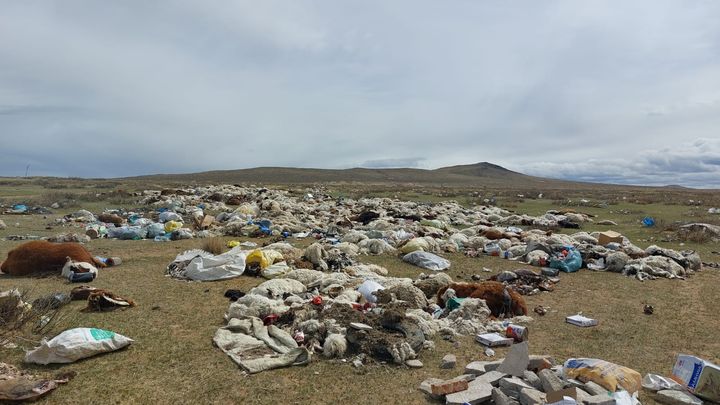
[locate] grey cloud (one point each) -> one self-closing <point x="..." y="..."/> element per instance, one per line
<point x="331" y="84"/>
<point x="693" y="165"/>
<point x="392" y="163"/>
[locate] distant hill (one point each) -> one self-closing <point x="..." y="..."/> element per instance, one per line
<point x="473" y="175"/>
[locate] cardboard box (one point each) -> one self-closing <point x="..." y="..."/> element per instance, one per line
<point x="567" y="396"/>
<point x="701" y="377"/>
<point x="493" y="339"/>
<point x="609" y="237"/>
<point x="579" y="320"/>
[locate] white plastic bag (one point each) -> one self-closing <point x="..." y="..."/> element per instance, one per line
<point x="368" y="288"/>
<point x="76" y="344"/>
<point x="71" y="266"/>
<point x="167" y="216"/>
<point x="275" y="270"/>
<point x="654" y="382"/>
<point x="427" y="260"/>
<point x="624" y="398"/>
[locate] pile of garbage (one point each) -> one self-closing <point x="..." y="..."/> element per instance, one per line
<point x="373" y="226"/>
<point x="357" y="310"/>
<point x="67" y="347"/>
<point x="23" y="209"/>
<point x="160" y="225"/>
<point x="526" y="379"/>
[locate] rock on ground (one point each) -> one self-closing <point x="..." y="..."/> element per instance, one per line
<point x="511" y="386"/>
<point x="532" y="379"/>
<point x="491" y="377"/>
<point x="594" y="389"/>
<point x="414" y="363"/>
<point x="599" y="400"/>
<point x="474" y="395"/>
<point x="672" y="397"/>
<point x="516" y="361"/>
<point x="530" y="396"/>
<point x="550" y="381"/>
<point x="449" y="361"/>
<point x="499" y="398"/>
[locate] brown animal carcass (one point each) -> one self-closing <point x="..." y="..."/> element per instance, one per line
<point x="41" y="256"/>
<point x="115" y="219"/>
<point x="500" y="300"/>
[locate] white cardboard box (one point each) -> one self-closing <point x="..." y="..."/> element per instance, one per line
<point x="701" y="377"/>
<point x="493" y="339"/>
<point x="580" y="320"/>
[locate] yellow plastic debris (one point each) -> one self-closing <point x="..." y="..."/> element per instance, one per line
<point x="172" y="226"/>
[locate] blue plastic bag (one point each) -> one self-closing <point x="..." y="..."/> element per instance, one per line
<point x="570" y="263"/>
<point x="648" y="221"/>
<point x="127" y="233"/>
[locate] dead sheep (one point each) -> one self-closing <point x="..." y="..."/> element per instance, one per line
<point x="277" y="288"/>
<point x="335" y="346"/>
<point x="375" y="247"/>
<point x="316" y="255"/>
<point x="255" y="305"/>
<point x="38" y="257"/>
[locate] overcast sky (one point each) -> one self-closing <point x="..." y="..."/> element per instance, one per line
<point x="624" y="92"/>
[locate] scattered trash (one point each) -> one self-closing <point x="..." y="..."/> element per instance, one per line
<point x="648" y="221"/>
<point x="427" y="260"/>
<point x="245" y="341"/>
<point x="654" y="382"/>
<point x="540" y="310"/>
<point x="493" y="340"/>
<point x="234" y="295"/>
<point x="579" y="320"/>
<point x="525" y="282"/>
<point x="104" y="300"/>
<point x="76" y="344"/>
<point x="699" y="376"/>
<point x="81" y="292"/>
<point x="368" y="288"/>
<point x="78" y="271"/>
<point x="608" y="375"/>
<point x="648" y="309"/>
<point x="16" y="385"/>
<point x="517" y="333"/>
<point x="608" y="237"/>
<point x="200" y="265"/>
<point x="51" y="301"/>
<point x="534" y="380"/>
<point x="569" y="260"/>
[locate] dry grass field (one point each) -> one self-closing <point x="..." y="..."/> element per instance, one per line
<point x="173" y="359"/>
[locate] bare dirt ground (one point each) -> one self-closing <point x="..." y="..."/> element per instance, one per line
<point x="173" y="359"/>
